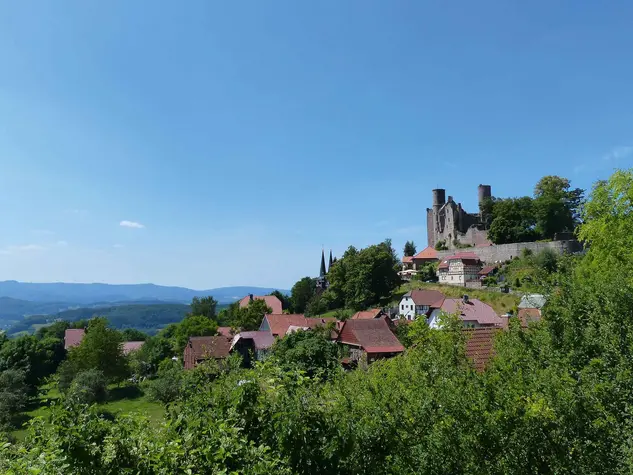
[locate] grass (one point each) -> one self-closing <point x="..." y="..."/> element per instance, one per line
<point x="126" y="399"/>
<point x="500" y="302"/>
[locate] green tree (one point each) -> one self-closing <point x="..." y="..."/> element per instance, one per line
<point x="514" y="221"/>
<point x="310" y="351"/>
<point x="101" y="349"/>
<point x="192" y="325"/>
<point x="88" y="387"/>
<point x="410" y="249"/>
<point x="37" y="358"/>
<point x="364" y="278"/>
<point x="301" y="294"/>
<point x="204" y="306"/>
<point x="145" y="361"/>
<point x="13" y="396"/>
<point x="132" y="334"/>
<point x="250" y="317"/>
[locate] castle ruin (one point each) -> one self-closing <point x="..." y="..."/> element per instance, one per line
<point x="447" y="221"/>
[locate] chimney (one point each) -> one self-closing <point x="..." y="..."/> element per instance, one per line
<point x="250" y="297"/>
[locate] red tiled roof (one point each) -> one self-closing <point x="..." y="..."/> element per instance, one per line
<point x="373" y="336"/>
<point x="271" y="301"/>
<point x="480" y="345"/>
<point x="430" y="298"/>
<point x="225" y="331"/>
<point x="204" y="347"/>
<point x="527" y="315"/>
<point x="367" y="314"/>
<point x="407" y="259"/>
<point x="427" y="254"/>
<point x="473" y="311"/>
<point x="487" y="270"/>
<point x="73" y="337"/>
<point x="130" y="346"/>
<point x="279" y="323"/>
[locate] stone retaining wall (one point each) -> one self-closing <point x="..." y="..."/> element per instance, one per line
<point x="504" y="252"/>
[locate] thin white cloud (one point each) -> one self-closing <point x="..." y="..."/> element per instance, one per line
<point x="131" y="224"/>
<point x="21" y="249"/>
<point x="618" y="153"/>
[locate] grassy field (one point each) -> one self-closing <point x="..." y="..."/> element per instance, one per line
<point x="499" y="301"/>
<point x="121" y="400"/>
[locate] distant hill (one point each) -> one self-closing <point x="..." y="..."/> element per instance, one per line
<point x="147" y="318"/>
<point x="83" y="294"/>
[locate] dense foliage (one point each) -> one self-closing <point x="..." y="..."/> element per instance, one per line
<point x="409" y="249"/>
<point x="556" y="398"/>
<point x="554" y="208"/>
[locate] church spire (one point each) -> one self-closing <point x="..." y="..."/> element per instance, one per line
<point x="322" y="272"/>
<point x="329" y="268"/>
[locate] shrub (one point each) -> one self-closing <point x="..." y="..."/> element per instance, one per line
<point x="88" y="387"/>
<point x="166" y="387"/>
<point x="13" y="395"/>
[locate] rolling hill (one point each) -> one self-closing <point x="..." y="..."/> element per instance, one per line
<point x="83" y="294"/>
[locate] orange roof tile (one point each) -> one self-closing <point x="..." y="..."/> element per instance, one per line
<point x="367" y="314"/>
<point x="273" y="302"/>
<point x="480" y="345"/>
<point x="429" y="253"/>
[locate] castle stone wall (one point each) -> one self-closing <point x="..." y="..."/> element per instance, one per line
<point x="505" y="252"/>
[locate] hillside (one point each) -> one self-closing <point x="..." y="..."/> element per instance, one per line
<point x="147" y="318"/>
<point x="499" y="301"/>
<point x="91" y="293"/>
<point x="13" y="310"/>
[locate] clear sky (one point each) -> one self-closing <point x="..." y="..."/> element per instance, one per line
<point x="208" y="144"/>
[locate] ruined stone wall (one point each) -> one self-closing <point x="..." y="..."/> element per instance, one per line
<point x="504" y="252"/>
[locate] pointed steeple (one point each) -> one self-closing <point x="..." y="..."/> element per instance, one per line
<point x="322" y="272"/>
<point x="329" y="267"/>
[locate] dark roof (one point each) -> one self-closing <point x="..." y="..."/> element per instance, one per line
<point x="487" y="270"/>
<point x="261" y="340"/>
<point x="480" y="345"/>
<point x="430" y="298"/>
<point x="466" y="257"/>
<point x="73" y="337"/>
<point x="373" y="336"/>
<point x="279" y="323"/>
<point x="271" y="301"/>
<point x="204" y="347"/>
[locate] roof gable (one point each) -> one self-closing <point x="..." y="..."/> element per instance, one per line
<point x="73" y="337"/>
<point x="271" y="301"/>
<point x="428" y="253"/>
<point x="429" y="298"/>
<point x="373" y="336"/>
<point x="473" y="310"/>
<point x="279" y="323"/>
<point x="367" y="314"/>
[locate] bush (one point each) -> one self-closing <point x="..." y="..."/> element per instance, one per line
<point x="88" y="387"/>
<point x="13" y="396"/>
<point x="166" y="387"/>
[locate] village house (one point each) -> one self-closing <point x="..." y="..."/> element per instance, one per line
<point x="254" y="344"/>
<point x="480" y="345"/>
<point x="369" y="338"/>
<point x="201" y="348"/>
<point x="272" y="302"/>
<point x="460" y="269"/>
<point x="420" y="303"/>
<point x="278" y="324"/>
<point x="412" y="264"/>
<point x="74" y="336"/>
<point x="472" y="312"/>
<point x="368" y="314"/>
<point x="530" y="308"/>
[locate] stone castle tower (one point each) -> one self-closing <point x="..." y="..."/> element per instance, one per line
<point x="447" y="221"/>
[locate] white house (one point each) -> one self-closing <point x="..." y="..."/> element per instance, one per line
<point x="420" y="302"/>
<point x="459" y="269"/>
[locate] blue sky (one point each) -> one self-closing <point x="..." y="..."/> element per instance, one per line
<point x="240" y="137"/>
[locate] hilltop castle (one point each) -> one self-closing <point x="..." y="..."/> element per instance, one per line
<point x="447" y="221"/>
